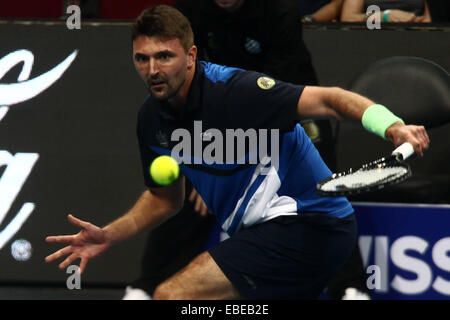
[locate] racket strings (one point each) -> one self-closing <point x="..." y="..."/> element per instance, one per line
<point x="364" y="177"/>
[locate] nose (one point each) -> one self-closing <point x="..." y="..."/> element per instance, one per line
<point x="153" y="67"/>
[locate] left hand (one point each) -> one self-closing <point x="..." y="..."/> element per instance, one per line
<point x="90" y="242"/>
<point x="200" y="205"/>
<point x="399" y="133"/>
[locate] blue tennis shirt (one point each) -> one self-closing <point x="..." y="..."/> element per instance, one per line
<point x="243" y="180"/>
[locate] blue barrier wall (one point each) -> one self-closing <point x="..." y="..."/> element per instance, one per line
<point x="410" y="247"/>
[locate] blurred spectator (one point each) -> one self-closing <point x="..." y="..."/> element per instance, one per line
<point x="413" y="11"/>
<point x="260" y="35"/>
<point x="320" y="10"/>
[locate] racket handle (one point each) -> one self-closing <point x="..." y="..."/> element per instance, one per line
<point x="405" y="150"/>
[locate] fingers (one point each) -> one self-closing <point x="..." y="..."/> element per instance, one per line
<point x="60" y="239"/>
<point x="58" y="254"/>
<point x="416" y="135"/>
<point x="198" y="204"/>
<point x="192" y="195"/>
<point x="83" y="264"/>
<point x="69" y="238"/>
<point x="426" y="137"/>
<point x="77" y="222"/>
<point x="201" y="206"/>
<point x="68" y="261"/>
<point x="417" y="145"/>
<point x="423" y="140"/>
<point x="203" y="209"/>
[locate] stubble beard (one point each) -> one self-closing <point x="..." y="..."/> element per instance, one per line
<point x="167" y="92"/>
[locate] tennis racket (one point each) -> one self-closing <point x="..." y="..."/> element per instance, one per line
<point x="372" y="176"/>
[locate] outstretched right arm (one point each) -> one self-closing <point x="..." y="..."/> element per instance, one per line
<point x="152" y="208"/>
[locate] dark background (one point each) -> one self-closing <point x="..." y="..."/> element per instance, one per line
<point x="83" y="128"/>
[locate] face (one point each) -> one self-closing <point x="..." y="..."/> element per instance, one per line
<point x="229" y="5"/>
<point x="164" y="66"/>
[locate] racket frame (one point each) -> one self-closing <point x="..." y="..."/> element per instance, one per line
<point x="393" y="160"/>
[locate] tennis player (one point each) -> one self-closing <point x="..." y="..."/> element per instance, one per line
<point x="286" y="241"/>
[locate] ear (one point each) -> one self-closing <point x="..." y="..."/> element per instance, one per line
<point x="191" y="57"/>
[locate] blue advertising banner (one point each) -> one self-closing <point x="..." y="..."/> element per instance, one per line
<point x="405" y="249"/>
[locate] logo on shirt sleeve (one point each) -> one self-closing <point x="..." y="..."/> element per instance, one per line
<point x="265" y="83"/>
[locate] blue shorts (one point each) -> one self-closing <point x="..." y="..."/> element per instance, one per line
<point x="288" y="257"/>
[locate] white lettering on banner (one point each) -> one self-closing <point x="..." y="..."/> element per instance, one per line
<point x="25" y="89"/>
<point x="3" y="111"/>
<point x="365" y="244"/>
<point x="414" y="265"/>
<point x="442" y="260"/>
<point x="400" y="258"/>
<point x="381" y="260"/>
<point x="18" y="168"/>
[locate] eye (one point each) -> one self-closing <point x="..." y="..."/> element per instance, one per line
<point x="141" y="58"/>
<point x="164" y="56"/>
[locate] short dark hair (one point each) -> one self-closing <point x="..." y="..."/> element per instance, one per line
<point x="165" y="22"/>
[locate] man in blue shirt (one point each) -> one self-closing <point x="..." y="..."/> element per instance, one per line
<point x="286" y="241"/>
<point x="221" y="101"/>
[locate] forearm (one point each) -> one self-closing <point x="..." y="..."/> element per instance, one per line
<point x="353" y="17"/>
<point x="149" y="211"/>
<point x="332" y="102"/>
<point x="328" y="12"/>
<point x="347" y="104"/>
<point x="353" y="11"/>
<point x="340" y="103"/>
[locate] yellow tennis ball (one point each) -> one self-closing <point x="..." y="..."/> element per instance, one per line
<point x="164" y="170"/>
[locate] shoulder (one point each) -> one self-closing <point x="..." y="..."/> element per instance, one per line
<point x="240" y="82"/>
<point x="219" y="73"/>
<point x="235" y="82"/>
